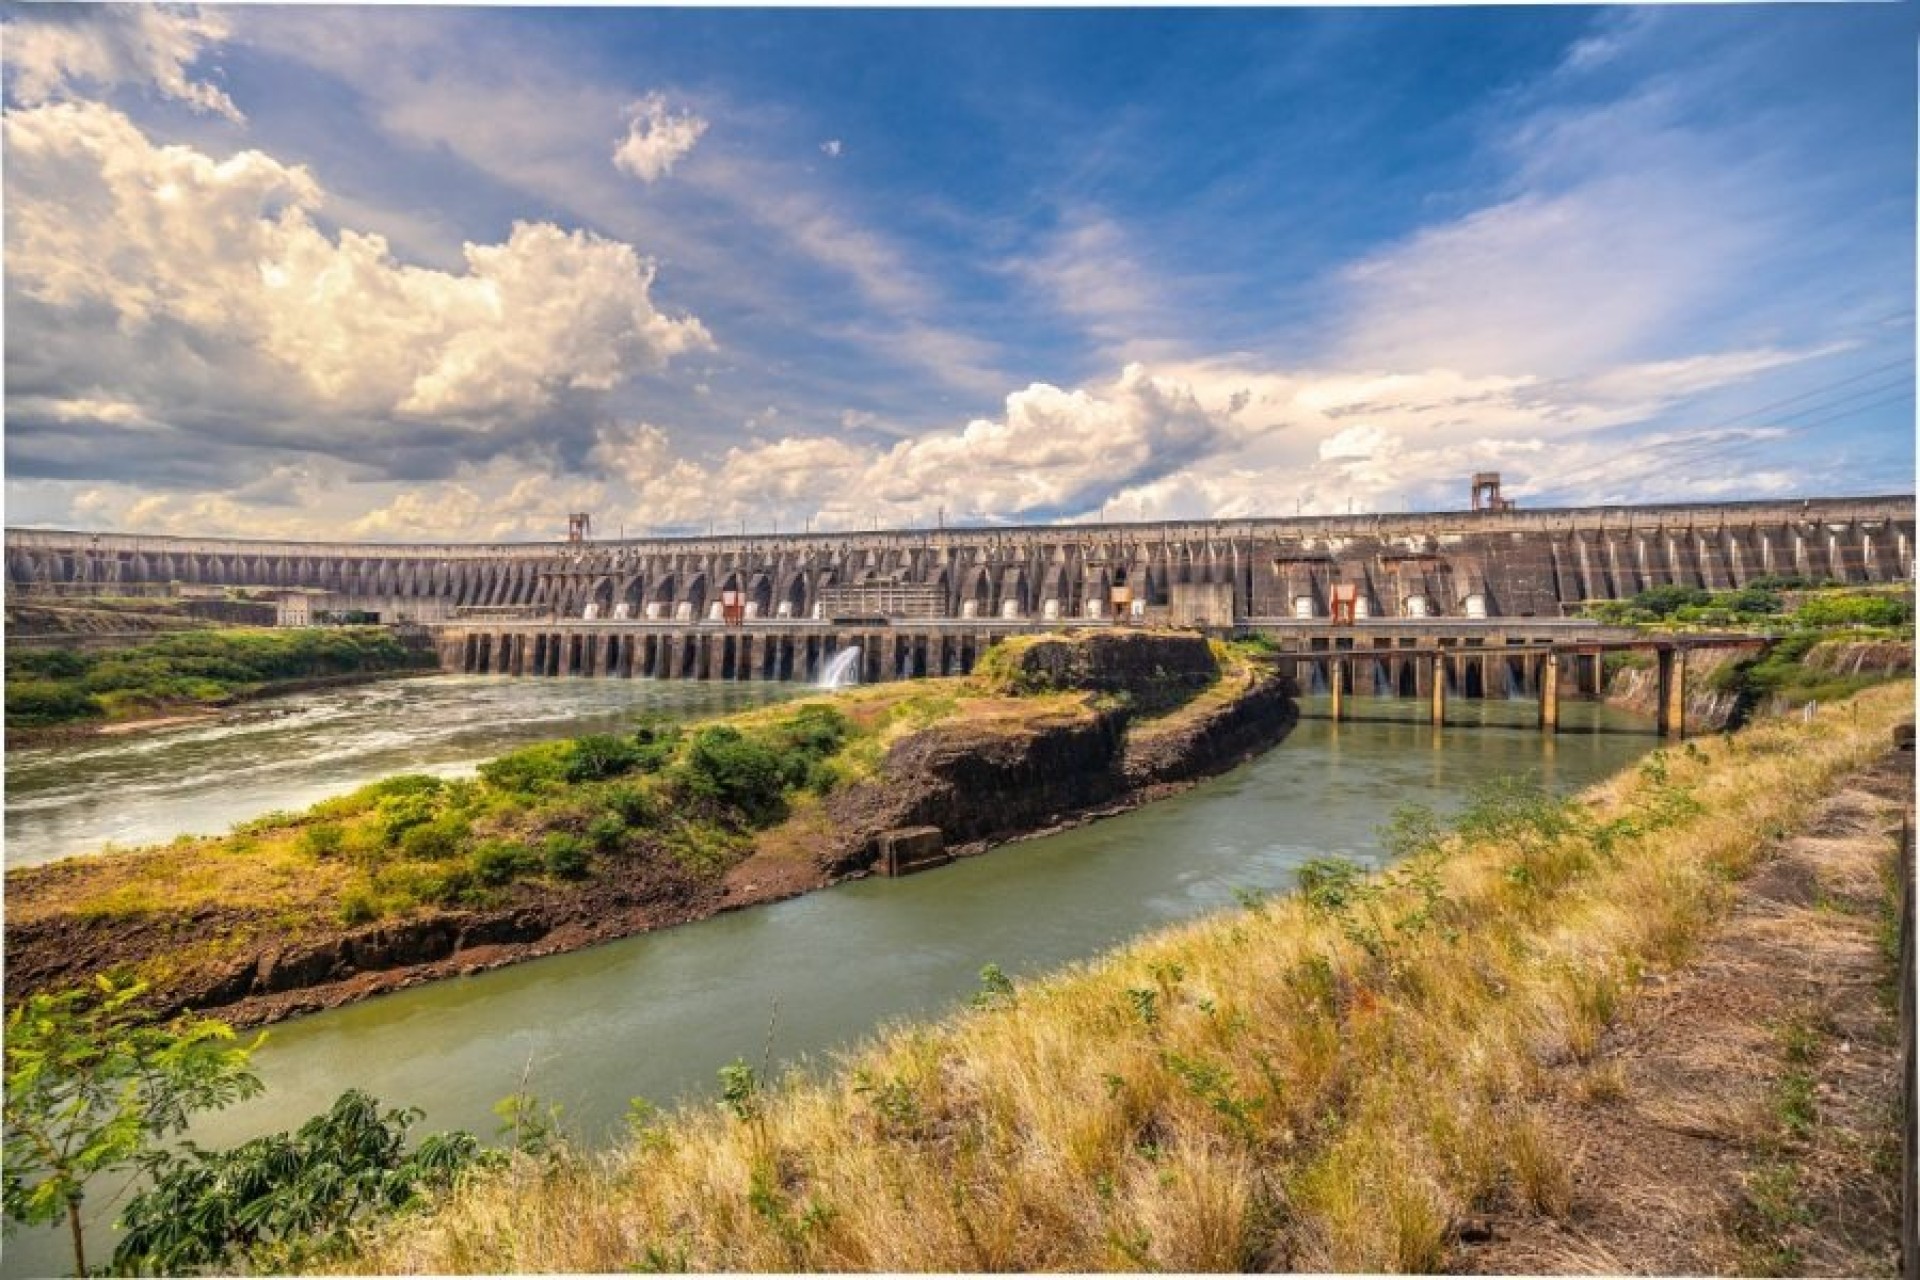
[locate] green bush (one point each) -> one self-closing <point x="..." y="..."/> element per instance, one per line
<point x="396" y="815"/>
<point x="48" y="664"/>
<point x="745" y="774"/>
<point x="598" y="756"/>
<point x="530" y="770"/>
<point x="1855" y="611"/>
<point x="655" y="746"/>
<point x="1661" y="602"/>
<point x="31" y="703"/>
<point x="359" y="906"/>
<point x="437" y="840"/>
<point x="634" y="806"/>
<point x="607" y="831"/>
<point x="322" y="840"/>
<point x="499" y="862"/>
<point x="565" y="856"/>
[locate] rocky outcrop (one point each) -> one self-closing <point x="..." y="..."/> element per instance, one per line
<point x="1213" y="737"/>
<point x="981" y="783"/>
<point x="1637" y="689"/>
<point x="1155" y="670"/>
<point x="1862" y="658"/>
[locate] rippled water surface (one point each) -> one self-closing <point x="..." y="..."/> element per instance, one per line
<point x="288" y="753"/>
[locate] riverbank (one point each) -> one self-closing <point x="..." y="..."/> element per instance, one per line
<point x="52" y="691"/>
<point x="558" y="847"/>
<point x="1726" y="687"/>
<point x="1348" y="1080"/>
<point x="194" y="713"/>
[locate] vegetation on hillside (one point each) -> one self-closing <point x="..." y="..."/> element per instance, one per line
<point x="1770" y="604"/>
<point x="1328" y="1082"/>
<point x="61" y="686"/>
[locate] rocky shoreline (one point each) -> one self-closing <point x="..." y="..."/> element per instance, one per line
<point x="981" y="784"/>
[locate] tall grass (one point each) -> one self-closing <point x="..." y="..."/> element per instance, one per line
<point x="1326" y="1082"/>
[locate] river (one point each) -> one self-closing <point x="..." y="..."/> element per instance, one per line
<point x="656" y="1016"/>
<point x="292" y="752"/>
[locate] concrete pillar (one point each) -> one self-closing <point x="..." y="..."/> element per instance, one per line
<point x="1549" y="683"/>
<point x="1437" y="687"/>
<point x="1336" y="683"/>
<point x="1673" y="693"/>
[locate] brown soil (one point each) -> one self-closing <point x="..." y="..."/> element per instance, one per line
<point x="1681" y="1156"/>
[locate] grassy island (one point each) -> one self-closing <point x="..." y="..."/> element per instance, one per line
<point x="560" y="844"/>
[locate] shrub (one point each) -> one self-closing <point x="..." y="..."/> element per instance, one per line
<point x="322" y="840"/>
<point x="742" y="773"/>
<point x="1663" y="601"/>
<point x="565" y="856"/>
<point x="606" y="831"/>
<point x="397" y="815"/>
<point x="530" y="770"/>
<point x="1855" y="611"/>
<point x="634" y="806"/>
<point x="437" y="840"/>
<point x="42" y="702"/>
<point x="498" y="862"/>
<point x="599" y="755"/>
<point x="654" y="746"/>
<point x="359" y="906"/>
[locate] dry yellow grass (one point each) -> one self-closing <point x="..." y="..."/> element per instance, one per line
<point x="1317" y="1088"/>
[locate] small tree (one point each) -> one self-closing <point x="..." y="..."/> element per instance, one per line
<point x="279" y="1202"/>
<point x="91" y="1088"/>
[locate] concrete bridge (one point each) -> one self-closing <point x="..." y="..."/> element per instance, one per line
<point x="1498" y="563"/>
<point x="1430" y="659"/>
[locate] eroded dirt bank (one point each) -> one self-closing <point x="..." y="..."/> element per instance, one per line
<point x="981" y="780"/>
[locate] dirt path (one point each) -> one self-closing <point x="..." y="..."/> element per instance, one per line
<point x="1742" y="1118"/>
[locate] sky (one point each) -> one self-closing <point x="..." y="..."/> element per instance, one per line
<point x="418" y="273"/>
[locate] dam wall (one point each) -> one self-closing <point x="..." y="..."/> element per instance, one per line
<point x="1502" y="563"/>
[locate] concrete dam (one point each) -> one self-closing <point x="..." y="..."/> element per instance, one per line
<point x="1464" y="564"/>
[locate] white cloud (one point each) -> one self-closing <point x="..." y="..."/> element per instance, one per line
<point x="52" y="50"/>
<point x="101" y="219"/>
<point x="1091" y="271"/>
<point x="656" y="138"/>
<point x="832" y="148"/>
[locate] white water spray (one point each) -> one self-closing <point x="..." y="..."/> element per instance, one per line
<point x="842" y="669"/>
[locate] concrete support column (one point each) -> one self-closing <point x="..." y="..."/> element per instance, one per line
<point x="1549" y="683"/>
<point x="1336" y="683"/>
<point x="1437" y="687"/>
<point x="1673" y="693"/>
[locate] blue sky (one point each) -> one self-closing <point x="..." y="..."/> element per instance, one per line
<point x="411" y="273"/>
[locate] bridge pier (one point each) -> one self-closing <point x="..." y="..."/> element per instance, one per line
<point x="1549" y="684"/>
<point x="1337" y="683"/>
<point x="1437" y="687"/>
<point x="1673" y="692"/>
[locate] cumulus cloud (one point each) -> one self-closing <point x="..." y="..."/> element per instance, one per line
<point x="54" y="50"/>
<point x="216" y="275"/>
<point x="1051" y="451"/>
<point x="832" y="148"/>
<point x="657" y="138"/>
